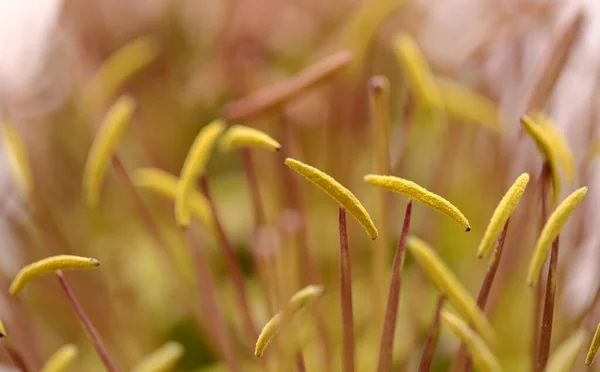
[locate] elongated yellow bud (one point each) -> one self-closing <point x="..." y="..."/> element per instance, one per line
<point x="559" y="143"/>
<point x="417" y="71"/>
<point x="450" y="286"/>
<point x="419" y="194"/>
<point x="2" y="330"/>
<point x="61" y="359"/>
<point x="460" y="101"/>
<point x="595" y="345"/>
<point x="545" y="146"/>
<point x="107" y="139"/>
<point x="161" y="360"/>
<point x="17" y="158"/>
<point x="550" y="231"/>
<point x="241" y="136"/>
<point x="482" y="356"/>
<point x="298" y="302"/>
<point x="194" y="166"/>
<point x="338" y="192"/>
<point x="501" y="214"/>
<point x="165" y="184"/>
<point x="47" y="266"/>
<point x="565" y="356"/>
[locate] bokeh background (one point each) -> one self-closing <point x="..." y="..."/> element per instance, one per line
<point x="214" y="52"/>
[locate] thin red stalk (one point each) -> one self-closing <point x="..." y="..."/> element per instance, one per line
<point x="548" y="315"/>
<point x="389" y="325"/>
<point x="346" y="295"/>
<point x="300" y="362"/>
<point x="209" y="302"/>
<point x="276" y="94"/>
<point x="432" y="337"/>
<point x="233" y="265"/>
<point x="91" y="331"/>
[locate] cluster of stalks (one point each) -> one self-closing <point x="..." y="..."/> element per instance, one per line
<point x="293" y="301"/>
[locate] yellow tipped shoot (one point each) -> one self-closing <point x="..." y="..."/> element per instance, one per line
<point x="450" y="286"/>
<point x="61" y="359"/>
<point x="594" y="346"/>
<point x="338" y="192"/>
<point x="559" y="143"/>
<point x="550" y="231"/>
<point x="105" y="142"/>
<point x="503" y="211"/>
<point x="419" y="194"/>
<point x="2" y="330"/>
<point x="481" y="354"/>
<point x="161" y="360"/>
<point x="417" y="71"/>
<point x="565" y="356"/>
<point x="298" y="302"/>
<point x="47" y="266"/>
<point x="241" y="136"/>
<point x="165" y="184"/>
<point x="194" y="166"/>
<point x="17" y="158"/>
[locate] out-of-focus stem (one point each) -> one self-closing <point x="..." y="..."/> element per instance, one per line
<point x="548" y="314"/>
<point x="93" y="334"/>
<point x="300" y="363"/>
<point x="389" y="326"/>
<point x="346" y="296"/>
<point x="14" y="356"/>
<point x="432" y="337"/>
<point x="233" y="265"/>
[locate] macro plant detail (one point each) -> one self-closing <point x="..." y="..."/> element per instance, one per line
<point x="213" y="249"/>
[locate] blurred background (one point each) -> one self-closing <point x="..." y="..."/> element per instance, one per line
<point x="519" y="55"/>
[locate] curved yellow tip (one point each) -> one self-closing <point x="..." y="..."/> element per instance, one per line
<point x="61" y="359"/>
<point x="241" y="136"/>
<point x="594" y="346"/>
<point x="161" y="360"/>
<point x="17" y="158"/>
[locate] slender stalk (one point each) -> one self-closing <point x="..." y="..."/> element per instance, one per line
<point x="233" y="265"/>
<point x="548" y="314"/>
<point x="252" y="179"/>
<point x="300" y="362"/>
<point x="91" y="331"/>
<point x="14" y="356"/>
<point x="389" y="326"/>
<point x="432" y="337"/>
<point x="346" y="295"/>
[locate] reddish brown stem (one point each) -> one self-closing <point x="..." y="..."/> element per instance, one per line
<point x="432" y="338"/>
<point x="14" y="356"/>
<point x="346" y="295"/>
<point x="257" y="207"/>
<point x="389" y="325"/>
<point x="233" y="265"/>
<point x="300" y="363"/>
<point x="91" y="331"/>
<point x="548" y="315"/>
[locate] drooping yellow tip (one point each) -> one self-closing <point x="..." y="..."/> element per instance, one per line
<point x="298" y="302"/>
<point x="241" y="136"/>
<point x="419" y="194"/>
<point x="105" y="142"/>
<point x="338" y="192"/>
<point x="550" y="231"/>
<point x="194" y="166"/>
<point x="594" y="346"/>
<point x="161" y="360"/>
<point x="503" y="211"/>
<point x="481" y="354"/>
<point x="560" y="144"/>
<point x="565" y="356"/>
<point x="450" y="286"/>
<point x="417" y="71"/>
<point x="48" y="266"/>
<point x="61" y="359"/>
<point x="17" y="158"/>
<point x="165" y="184"/>
<point x="2" y="330"/>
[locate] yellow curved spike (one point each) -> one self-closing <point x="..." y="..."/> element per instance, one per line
<point x="503" y="211"/>
<point x="550" y="231"/>
<point x="165" y="184"/>
<point x="419" y="194"/>
<point x="483" y="358"/>
<point x="2" y="330"/>
<point x="565" y="356"/>
<point x="17" y="158"/>
<point x="450" y="286"/>
<point x="338" y="192"/>
<point x="61" y="359"/>
<point x="559" y="143"/>
<point x="298" y="302"/>
<point x="48" y="266"/>
<point x="194" y="166"/>
<point x="161" y="360"/>
<point x="594" y="346"/>
<point x="241" y="136"/>
<point x="105" y="142"/>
